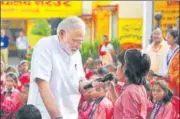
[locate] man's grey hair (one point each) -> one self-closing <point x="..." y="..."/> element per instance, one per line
<point x="71" y="23"/>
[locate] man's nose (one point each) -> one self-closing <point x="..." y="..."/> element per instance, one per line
<point x="78" y="45"/>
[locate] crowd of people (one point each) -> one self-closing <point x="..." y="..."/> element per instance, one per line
<point x="21" y="44"/>
<point x="14" y="87"/>
<point x="142" y="86"/>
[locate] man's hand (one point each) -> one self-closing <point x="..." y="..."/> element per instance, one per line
<point x="48" y="98"/>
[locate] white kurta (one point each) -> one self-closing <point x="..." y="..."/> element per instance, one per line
<point x="62" y="71"/>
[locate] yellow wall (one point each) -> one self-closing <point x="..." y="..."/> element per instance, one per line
<point x="29" y="10"/>
<point x="95" y="3"/>
<point x="130" y="23"/>
<point x="129" y="20"/>
<point x="130" y="30"/>
<point x="40" y="9"/>
<point x="102" y="19"/>
<point x="102" y="23"/>
<point x="30" y="24"/>
<point x="130" y="9"/>
<point x="169" y="10"/>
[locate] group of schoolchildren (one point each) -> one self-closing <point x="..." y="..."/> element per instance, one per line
<point x="14" y="92"/>
<point x="136" y="92"/>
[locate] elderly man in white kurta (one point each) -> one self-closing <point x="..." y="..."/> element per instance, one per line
<point x="57" y="72"/>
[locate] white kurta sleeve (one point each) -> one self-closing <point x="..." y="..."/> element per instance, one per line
<point x="41" y="64"/>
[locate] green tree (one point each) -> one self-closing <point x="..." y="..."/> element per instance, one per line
<point x="41" y="27"/>
<point x="90" y="48"/>
<point x="39" y="30"/>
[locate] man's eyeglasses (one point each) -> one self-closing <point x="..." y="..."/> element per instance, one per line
<point x="77" y="41"/>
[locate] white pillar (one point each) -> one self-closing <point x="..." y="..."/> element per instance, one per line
<point x="147" y="23"/>
<point x="87" y="7"/>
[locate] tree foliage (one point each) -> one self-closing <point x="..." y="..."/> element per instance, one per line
<point x="41" y="27"/>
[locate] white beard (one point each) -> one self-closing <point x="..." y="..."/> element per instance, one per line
<point x="66" y="48"/>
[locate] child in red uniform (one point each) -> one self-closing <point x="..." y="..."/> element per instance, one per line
<point x="132" y="101"/>
<point x="24" y="79"/>
<point x="3" y="76"/>
<point x="88" y="71"/>
<point x="161" y="99"/>
<point x="11" y="101"/>
<point x="23" y="99"/>
<point x="96" y="105"/>
<point x="24" y="74"/>
<point x="23" y="67"/>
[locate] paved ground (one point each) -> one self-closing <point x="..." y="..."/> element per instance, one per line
<point x="13" y="61"/>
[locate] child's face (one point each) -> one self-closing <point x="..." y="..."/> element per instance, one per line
<point x="120" y="72"/>
<point x="149" y="77"/>
<point x="97" y="92"/>
<point x="157" y="93"/>
<point x="97" y="66"/>
<point x="10" y="83"/>
<point x="155" y="78"/>
<point x="24" y="67"/>
<point x="111" y="69"/>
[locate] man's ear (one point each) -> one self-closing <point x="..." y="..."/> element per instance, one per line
<point x="61" y="34"/>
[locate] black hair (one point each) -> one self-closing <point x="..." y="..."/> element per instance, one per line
<point x="11" y="69"/>
<point x="105" y="36"/>
<point x="95" y="72"/>
<point x="121" y="57"/>
<point x="147" y="85"/>
<point x="13" y="76"/>
<point x="102" y="71"/>
<point x="23" y="62"/>
<point x="167" y="97"/>
<point x="28" y="112"/>
<point x="174" y="34"/>
<point x="97" y="61"/>
<point x="21" y="30"/>
<point x="26" y="86"/>
<point x="151" y="39"/>
<point x="137" y="66"/>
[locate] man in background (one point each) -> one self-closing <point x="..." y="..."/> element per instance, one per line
<point x="157" y="50"/>
<point x="4" y="47"/>
<point x="22" y="45"/>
